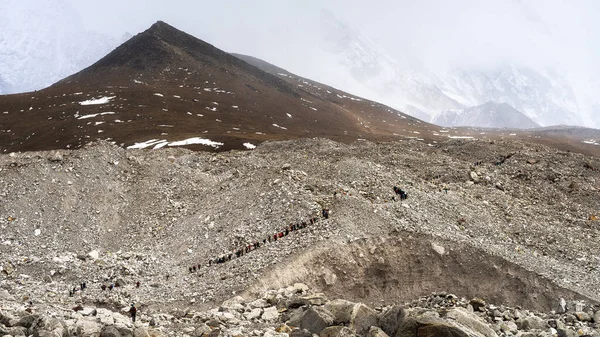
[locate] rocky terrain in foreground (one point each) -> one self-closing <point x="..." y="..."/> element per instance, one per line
<point x="512" y="223"/>
<point x="294" y="311"/>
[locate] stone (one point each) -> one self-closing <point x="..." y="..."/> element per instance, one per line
<point x="478" y="304"/>
<point x="296" y="302"/>
<point x="341" y="310"/>
<point x="316" y="319"/>
<point x="390" y="320"/>
<point x="110" y="331"/>
<point x="583" y="316"/>
<point x="531" y="323"/>
<point x="26" y="321"/>
<point x="260" y="303"/>
<point x="284" y="328"/>
<point x="363" y="318"/>
<point x="140" y="331"/>
<point x="300" y="333"/>
<point x="253" y="314"/>
<point x="597" y="317"/>
<point x="474" y="176"/>
<point x="509" y="326"/>
<point x="201" y="330"/>
<point x="337" y="331"/>
<point x="300" y="287"/>
<point x="438" y="249"/>
<point x="440" y="330"/>
<point x="375" y="331"/>
<point x="94" y="254"/>
<point x="471" y="321"/>
<point x="566" y="333"/>
<point x="270" y="314"/>
<point x="85" y="328"/>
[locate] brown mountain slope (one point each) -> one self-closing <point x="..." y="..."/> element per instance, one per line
<point x="163" y="87"/>
<point x="167" y="86"/>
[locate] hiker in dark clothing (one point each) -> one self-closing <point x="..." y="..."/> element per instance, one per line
<point x="325" y="213"/>
<point x="103" y="287"/>
<point x="137" y="284"/>
<point x="194" y="268"/>
<point x="111" y="286"/>
<point x="287" y="231"/>
<point x="133" y="312"/>
<point x="190" y="269"/>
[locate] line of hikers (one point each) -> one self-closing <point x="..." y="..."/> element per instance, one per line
<point x="257" y="244"/>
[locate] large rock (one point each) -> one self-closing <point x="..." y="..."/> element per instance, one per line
<point x="341" y="310"/>
<point x="202" y="330"/>
<point x="26" y="321"/>
<point x="425" y="323"/>
<point x="363" y="318"/>
<point x="316" y="319"/>
<point x="597" y="317"/>
<point x="532" y="323"/>
<point x="472" y="321"/>
<point x="47" y="326"/>
<point x="270" y="314"/>
<point x="140" y="331"/>
<point x="111" y="331"/>
<point x="86" y="328"/>
<point x="391" y="319"/>
<point x="376" y="332"/>
<point x="440" y="329"/>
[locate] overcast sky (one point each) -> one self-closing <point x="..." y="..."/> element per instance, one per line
<point x="564" y="34"/>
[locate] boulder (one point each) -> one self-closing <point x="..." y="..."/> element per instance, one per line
<point x="471" y="321"/>
<point x="270" y="314"/>
<point x="201" y="330"/>
<point x="253" y="314"/>
<point x="363" y="318"/>
<point x="337" y="331"/>
<point x="597" y="317"/>
<point x="583" y="316"/>
<point x="390" y="320"/>
<point x="440" y="329"/>
<point x="140" y="331"/>
<point x="376" y="332"/>
<point x="47" y="326"/>
<point x="110" y="331"/>
<point x="478" y="304"/>
<point x="316" y="319"/>
<point x="86" y="328"/>
<point x="532" y="323"/>
<point x="26" y="321"/>
<point x="295" y="317"/>
<point x="341" y="310"/>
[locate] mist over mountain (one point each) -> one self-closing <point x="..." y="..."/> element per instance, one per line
<point x="43" y="42"/>
<point x="488" y="115"/>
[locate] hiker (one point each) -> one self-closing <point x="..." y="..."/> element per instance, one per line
<point x="325" y="213"/>
<point x="137" y="284"/>
<point x="190" y="269"/>
<point x="111" y="286"/>
<point x="74" y="290"/>
<point x="103" y="287"/>
<point x="70" y="293"/>
<point x="133" y="311"/>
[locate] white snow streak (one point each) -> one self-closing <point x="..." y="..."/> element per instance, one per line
<point x="94" y="101"/>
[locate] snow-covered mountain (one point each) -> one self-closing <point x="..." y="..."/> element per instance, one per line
<point x="351" y="61"/>
<point x="42" y="42"/>
<point x="488" y="115"/>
